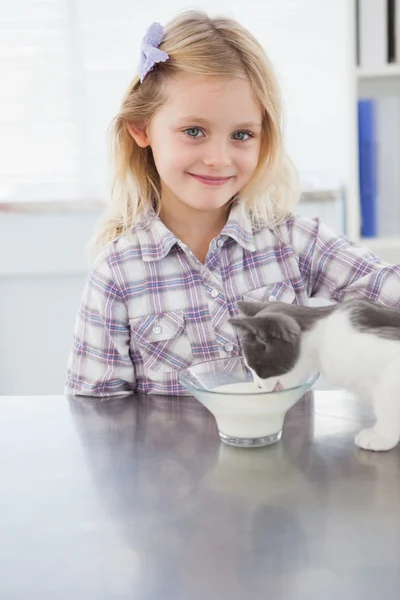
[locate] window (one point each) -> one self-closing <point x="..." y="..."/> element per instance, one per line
<point x="64" y="66"/>
<point x="39" y="137"/>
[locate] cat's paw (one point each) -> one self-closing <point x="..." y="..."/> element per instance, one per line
<point x="369" y="439"/>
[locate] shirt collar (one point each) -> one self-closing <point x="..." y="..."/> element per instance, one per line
<point x="156" y="240"/>
<point x="239" y="227"/>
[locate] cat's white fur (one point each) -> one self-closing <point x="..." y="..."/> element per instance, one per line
<point x="360" y="362"/>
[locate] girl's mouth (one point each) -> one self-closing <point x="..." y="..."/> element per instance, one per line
<point x="210" y="180"/>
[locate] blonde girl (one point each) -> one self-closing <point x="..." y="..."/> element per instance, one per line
<point x="201" y="216"/>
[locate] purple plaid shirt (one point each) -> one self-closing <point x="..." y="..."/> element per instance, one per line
<point x="150" y="308"/>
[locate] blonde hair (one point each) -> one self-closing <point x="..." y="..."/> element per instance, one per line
<point x="204" y="46"/>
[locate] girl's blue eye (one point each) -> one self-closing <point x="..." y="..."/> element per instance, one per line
<point x="242" y="134"/>
<point x="193" y="131"/>
<point x="239" y="136"/>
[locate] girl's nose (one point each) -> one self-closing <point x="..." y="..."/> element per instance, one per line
<point x="217" y="156"/>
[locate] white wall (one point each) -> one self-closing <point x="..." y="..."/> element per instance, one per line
<point x="42" y="273"/>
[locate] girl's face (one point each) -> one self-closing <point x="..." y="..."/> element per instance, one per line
<point x="205" y="141"/>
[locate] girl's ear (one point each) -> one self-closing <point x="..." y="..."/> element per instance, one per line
<point x="140" y="136"/>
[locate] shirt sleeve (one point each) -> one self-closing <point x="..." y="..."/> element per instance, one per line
<point x="334" y="267"/>
<point x="99" y="362"/>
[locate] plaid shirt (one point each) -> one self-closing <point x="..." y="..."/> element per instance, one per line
<point x="150" y="308"/>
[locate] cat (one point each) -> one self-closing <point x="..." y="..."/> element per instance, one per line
<point x="355" y="345"/>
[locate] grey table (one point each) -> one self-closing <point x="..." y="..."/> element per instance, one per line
<point x="137" y="498"/>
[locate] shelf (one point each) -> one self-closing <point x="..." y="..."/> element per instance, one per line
<point x="379" y="72"/>
<point x="388" y="249"/>
<point x="383" y="242"/>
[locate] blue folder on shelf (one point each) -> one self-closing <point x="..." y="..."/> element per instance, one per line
<point x="367" y="166"/>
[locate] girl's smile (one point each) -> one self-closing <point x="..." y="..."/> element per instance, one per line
<point x="207" y="180"/>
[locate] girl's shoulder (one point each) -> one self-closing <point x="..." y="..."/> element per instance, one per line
<point x="302" y="234"/>
<point x="148" y="241"/>
<point x="123" y="248"/>
<point x="292" y="226"/>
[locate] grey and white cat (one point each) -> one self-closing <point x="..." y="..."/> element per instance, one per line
<point x="355" y="345"/>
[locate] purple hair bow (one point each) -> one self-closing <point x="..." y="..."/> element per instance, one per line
<point x="149" y="51"/>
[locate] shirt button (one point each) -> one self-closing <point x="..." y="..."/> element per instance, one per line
<point x="272" y="298"/>
<point x="214" y="293"/>
<point x="228" y="347"/>
<point x="220" y="243"/>
<point x="157" y="329"/>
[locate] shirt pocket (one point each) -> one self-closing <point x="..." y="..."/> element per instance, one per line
<point x="162" y="341"/>
<point x="281" y="291"/>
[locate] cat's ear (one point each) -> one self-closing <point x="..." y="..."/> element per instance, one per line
<point x="277" y="327"/>
<point x="250" y="309"/>
<point x="269" y="328"/>
<point x="246" y="324"/>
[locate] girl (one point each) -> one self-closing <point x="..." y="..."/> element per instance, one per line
<point x="201" y="217"/>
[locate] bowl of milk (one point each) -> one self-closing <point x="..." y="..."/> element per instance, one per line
<point x="246" y="415"/>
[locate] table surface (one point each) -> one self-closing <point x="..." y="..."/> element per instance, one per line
<point x="137" y="498"/>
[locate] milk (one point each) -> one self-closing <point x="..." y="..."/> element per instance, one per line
<point x="248" y="413"/>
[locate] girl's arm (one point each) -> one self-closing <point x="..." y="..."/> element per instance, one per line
<point x="100" y="363"/>
<point x="337" y="268"/>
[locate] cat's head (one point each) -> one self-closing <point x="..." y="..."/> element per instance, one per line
<point x="270" y="339"/>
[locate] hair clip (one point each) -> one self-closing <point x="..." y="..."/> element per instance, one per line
<point x="149" y="51"/>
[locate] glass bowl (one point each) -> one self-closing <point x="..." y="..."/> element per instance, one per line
<point x="245" y="414"/>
